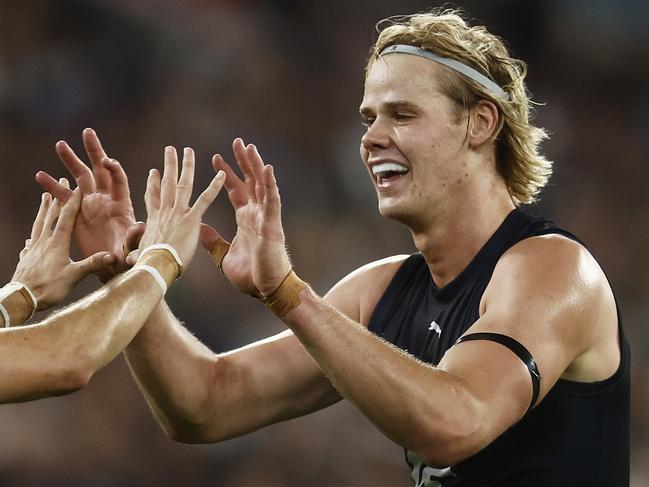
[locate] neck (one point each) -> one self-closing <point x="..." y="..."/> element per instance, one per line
<point x="453" y="239"/>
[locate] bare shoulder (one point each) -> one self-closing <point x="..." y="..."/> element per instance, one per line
<point x="555" y="284"/>
<point x="357" y="294"/>
<point x="550" y="261"/>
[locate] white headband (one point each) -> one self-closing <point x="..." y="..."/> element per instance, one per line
<point x="455" y="65"/>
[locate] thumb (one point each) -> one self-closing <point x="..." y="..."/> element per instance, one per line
<point x="133" y="236"/>
<point x="131" y="258"/>
<point x="216" y="245"/>
<point x="208" y="235"/>
<point x="93" y="264"/>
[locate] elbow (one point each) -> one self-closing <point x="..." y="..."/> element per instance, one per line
<point x="188" y="437"/>
<point x="191" y="433"/>
<point x="72" y="376"/>
<point x="459" y="436"/>
<point x="447" y="455"/>
<point x="450" y="448"/>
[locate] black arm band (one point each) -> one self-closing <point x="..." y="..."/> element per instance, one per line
<point x="520" y="351"/>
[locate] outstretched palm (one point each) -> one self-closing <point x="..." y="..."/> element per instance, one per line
<point x="102" y="224"/>
<point x="106" y="210"/>
<point x="257" y="261"/>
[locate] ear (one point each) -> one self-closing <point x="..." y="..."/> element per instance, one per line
<point x="484" y="122"/>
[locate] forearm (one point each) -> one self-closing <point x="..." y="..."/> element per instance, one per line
<point x="60" y="354"/>
<point x="418" y="406"/>
<point x="198" y="396"/>
<point x="173" y="370"/>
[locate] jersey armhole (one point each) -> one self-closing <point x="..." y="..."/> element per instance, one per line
<point x="390" y="295"/>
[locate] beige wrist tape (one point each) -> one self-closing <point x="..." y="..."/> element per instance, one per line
<point x="218" y="250"/>
<point x="286" y="297"/>
<point x="17" y="303"/>
<point x="162" y="262"/>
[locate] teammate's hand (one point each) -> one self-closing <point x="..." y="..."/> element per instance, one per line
<point x="106" y="209"/>
<point x="45" y="266"/>
<point x="170" y="219"/>
<point x="257" y="261"/>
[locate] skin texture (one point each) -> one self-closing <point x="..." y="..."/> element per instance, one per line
<point x="106" y="209"/>
<point x="546" y="292"/>
<point x="60" y="354"/>
<point x="47" y="253"/>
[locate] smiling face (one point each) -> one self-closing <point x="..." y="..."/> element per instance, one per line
<point x="415" y="145"/>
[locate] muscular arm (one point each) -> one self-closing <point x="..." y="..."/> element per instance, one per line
<point x="200" y="396"/>
<point x="548" y="294"/>
<point x="60" y="354"/>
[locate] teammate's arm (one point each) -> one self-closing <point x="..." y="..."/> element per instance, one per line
<point x="199" y="396"/>
<point x="60" y="354"/>
<point x="45" y="274"/>
<point x="551" y="298"/>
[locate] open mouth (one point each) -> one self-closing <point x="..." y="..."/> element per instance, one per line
<point x="388" y="172"/>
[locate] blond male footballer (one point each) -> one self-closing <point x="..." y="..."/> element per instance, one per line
<point x="494" y="355"/>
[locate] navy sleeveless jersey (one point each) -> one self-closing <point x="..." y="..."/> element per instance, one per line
<point x="577" y="436"/>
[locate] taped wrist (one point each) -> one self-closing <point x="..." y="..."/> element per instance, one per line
<point x="162" y="262"/>
<point x="218" y="250"/>
<point x="286" y="297"/>
<point x="17" y="303"/>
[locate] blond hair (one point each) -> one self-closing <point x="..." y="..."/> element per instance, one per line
<point x="446" y="33"/>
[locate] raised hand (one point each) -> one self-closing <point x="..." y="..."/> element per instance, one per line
<point x="170" y="219"/>
<point x="106" y="209"/>
<point x="257" y="261"/>
<point x="45" y="265"/>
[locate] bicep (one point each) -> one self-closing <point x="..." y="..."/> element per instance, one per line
<point x="539" y="297"/>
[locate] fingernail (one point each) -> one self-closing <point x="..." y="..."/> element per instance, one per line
<point x="220" y="174"/>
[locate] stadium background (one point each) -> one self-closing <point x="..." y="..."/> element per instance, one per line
<point x="288" y="76"/>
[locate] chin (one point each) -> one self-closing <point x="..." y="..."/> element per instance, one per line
<point x="393" y="211"/>
<point x="407" y="215"/>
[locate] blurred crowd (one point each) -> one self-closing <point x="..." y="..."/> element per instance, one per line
<point x="287" y="75"/>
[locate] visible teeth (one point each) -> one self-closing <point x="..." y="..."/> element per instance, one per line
<point x="388" y="166"/>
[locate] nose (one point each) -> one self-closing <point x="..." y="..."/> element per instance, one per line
<point x="377" y="136"/>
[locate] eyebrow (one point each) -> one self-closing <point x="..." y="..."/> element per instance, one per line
<point x="390" y="105"/>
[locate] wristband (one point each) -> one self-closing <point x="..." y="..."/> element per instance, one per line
<point x="162" y="262"/>
<point x="286" y="297"/>
<point x="218" y="250"/>
<point x="168" y="248"/>
<point x="17" y="303"/>
<point x="156" y="275"/>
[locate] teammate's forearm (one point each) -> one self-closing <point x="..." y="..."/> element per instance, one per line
<point x="198" y="396"/>
<point x="421" y="412"/>
<point x="60" y="354"/>
<point x="174" y="371"/>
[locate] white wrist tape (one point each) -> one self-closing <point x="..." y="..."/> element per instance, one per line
<point x="14" y="286"/>
<point x="155" y="273"/>
<point x="170" y="249"/>
<point x="9" y="289"/>
<point x="5" y="316"/>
